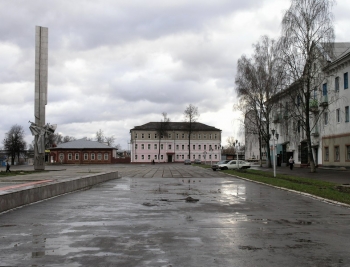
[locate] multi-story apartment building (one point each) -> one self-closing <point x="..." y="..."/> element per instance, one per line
<point x="334" y="125"/>
<point x="147" y="146"/>
<point x="329" y="117"/>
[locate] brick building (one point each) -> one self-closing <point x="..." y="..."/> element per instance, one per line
<point x="82" y="151"/>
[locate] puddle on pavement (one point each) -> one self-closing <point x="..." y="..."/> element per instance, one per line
<point x="125" y="187"/>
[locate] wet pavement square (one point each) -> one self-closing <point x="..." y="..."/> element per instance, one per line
<point x="202" y="218"/>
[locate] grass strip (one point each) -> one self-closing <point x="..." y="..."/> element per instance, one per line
<point x="318" y="188"/>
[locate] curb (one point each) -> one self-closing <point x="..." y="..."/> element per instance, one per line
<point x="18" y="197"/>
<point x="297" y="192"/>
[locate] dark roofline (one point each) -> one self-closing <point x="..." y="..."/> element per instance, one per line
<point x="175" y="126"/>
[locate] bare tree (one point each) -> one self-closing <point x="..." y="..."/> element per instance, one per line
<point x="258" y="78"/>
<point x="191" y="115"/>
<point x="230" y="148"/>
<point x="110" y="140"/>
<point x="14" y="142"/>
<point x="307" y="44"/>
<point x="100" y="136"/>
<point x="54" y="139"/>
<point x="162" y="130"/>
<point x="68" y="139"/>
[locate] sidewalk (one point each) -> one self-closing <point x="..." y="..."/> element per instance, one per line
<point x="325" y="174"/>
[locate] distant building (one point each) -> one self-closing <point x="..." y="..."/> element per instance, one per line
<point x="82" y="151"/>
<point x="145" y="145"/>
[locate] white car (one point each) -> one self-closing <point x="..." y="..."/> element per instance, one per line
<point x="240" y="164"/>
<point x="220" y="165"/>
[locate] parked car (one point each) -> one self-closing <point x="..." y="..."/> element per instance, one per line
<point x="241" y="164"/>
<point x="220" y="164"/>
<point x="187" y="162"/>
<point x="197" y="161"/>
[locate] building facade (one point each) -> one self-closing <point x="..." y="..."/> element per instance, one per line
<point x="82" y="151"/>
<point x="147" y="145"/>
<point x="329" y="117"/>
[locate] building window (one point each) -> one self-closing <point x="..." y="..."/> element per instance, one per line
<point x="135" y="146"/>
<point x="149" y="136"/>
<point x="183" y="136"/>
<point x="346" y="82"/>
<point x="135" y="156"/>
<point x="155" y="156"/>
<point x="210" y="147"/>
<point x="337" y="114"/>
<point x="177" y="156"/>
<point x="205" y="147"/>
<point x="149" y="146"/>
<point x="99" y="156"/>
<point x="92" y="156"/>
<point x="183" y="156"/>
<point x="177" y="136"/>
<point x="69" y="156"/>
<point x="169" y="147"/>
<point x="86" y="156"/>
<point x="106" y="156"/>
<point x="209" y="156"/>
<point x="348" y="153"/>
<point x="216" y="156"/>
<point x="199" y="156"/>
<point x="199" y="147"/>
<point x="336" y="82"/>
<point x="194" y="147"/>
<point x="61" y="157"/>
<point x="183" y="147"/>
<point x="142" y="136"/>
<point x="142" y="146"/>
<point x="347" y="114"/>
<point x="204" y="136"/>
<point x="210" y="136"/>
<point x="194" y="156"/>
<point x="324" y="89"/>
<point x="155" y="146"/>
<point x="215" y="136"/>
<point x="149" y="157"/>
<point x="325" y="118"/>
<point x="336" y="153"/>
<point x="161" y="136"/>
<point x="161" y="156"/>
<point x="199" y="136"/>
<point x="326" y="153"/>
<point x="155" y="136"/>
<point x="177" y="147"/>
<point x="135" y="135"/>
<point x="161" y="146"/>
<point x="142" y="156"/>
<point x="169" y="136"/>
<point x="193" y="136"/>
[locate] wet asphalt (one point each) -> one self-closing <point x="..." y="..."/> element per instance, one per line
<point x="176" y="215"/>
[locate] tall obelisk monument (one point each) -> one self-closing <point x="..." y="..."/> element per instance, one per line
<point x="41" y="71"/>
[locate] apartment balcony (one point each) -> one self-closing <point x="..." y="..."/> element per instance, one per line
<point x="277" y="118"/>
<point x="315" y="133"/>
<point x="324" y="101"/>
<point x="314" y="106"/>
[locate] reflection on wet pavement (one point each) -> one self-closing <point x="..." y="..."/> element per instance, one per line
<point x="185" y="221"/>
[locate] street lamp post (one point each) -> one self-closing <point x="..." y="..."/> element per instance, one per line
<point x="205" y="158"/>
<point x="237" y="147"/>
<point x="211" y="157"/>
<point x="274" y="134"/>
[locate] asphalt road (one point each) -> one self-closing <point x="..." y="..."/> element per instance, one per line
<point x="143" y="219"/>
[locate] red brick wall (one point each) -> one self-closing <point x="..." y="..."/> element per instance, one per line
<point x="56" y="153"/>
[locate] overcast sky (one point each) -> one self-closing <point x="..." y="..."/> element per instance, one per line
<point x="117" y="64"/>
